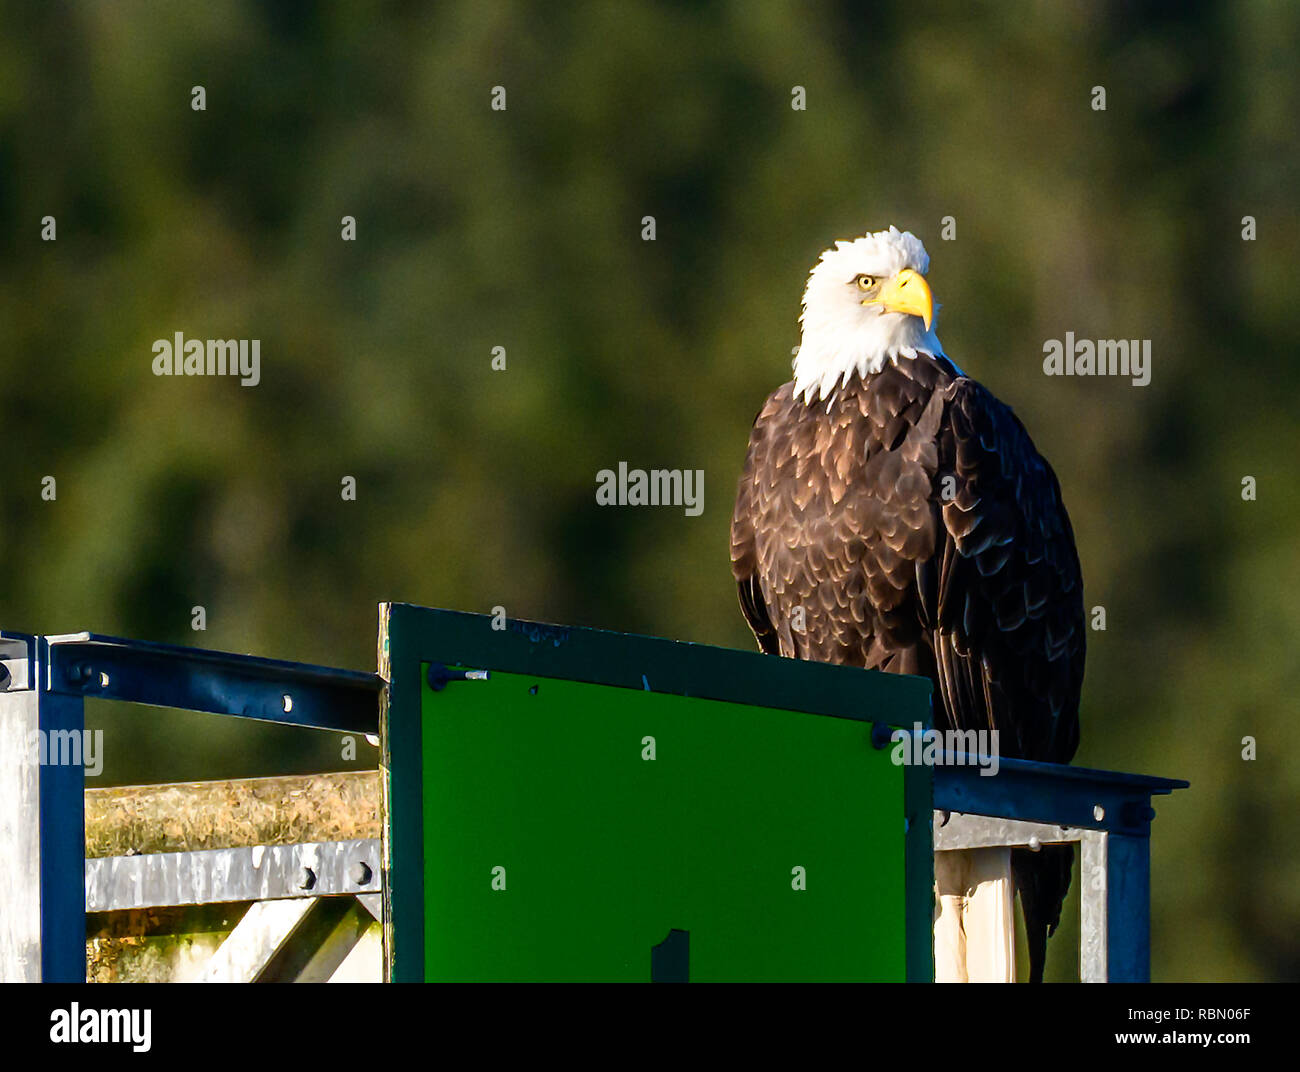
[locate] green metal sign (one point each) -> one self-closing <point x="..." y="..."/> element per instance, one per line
<point x="609" y="807"/>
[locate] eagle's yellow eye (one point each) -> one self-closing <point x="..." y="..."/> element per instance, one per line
<point x="866" y="282"/>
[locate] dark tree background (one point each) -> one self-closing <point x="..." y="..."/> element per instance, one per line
<point x="479" y="228"/>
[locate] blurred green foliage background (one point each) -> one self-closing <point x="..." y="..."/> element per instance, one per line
<point x="522" y="229"/>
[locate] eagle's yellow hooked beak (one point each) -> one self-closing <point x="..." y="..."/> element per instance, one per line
<point x="907" y="292"/>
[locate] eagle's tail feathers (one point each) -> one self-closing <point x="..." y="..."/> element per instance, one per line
<point x="1042" y="880"/>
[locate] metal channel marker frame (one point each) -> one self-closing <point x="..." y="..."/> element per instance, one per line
<point x="44" y="681"/>
<point x="1108" y="813"/>
<point x="44" y="881"/>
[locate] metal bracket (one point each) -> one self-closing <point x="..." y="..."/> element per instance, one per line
<point x="1114" y="931"/>
<point x="440" y="676"/>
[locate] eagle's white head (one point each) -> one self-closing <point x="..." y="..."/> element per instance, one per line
<point x="866" y="303"/>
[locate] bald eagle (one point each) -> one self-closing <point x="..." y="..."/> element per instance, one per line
<point x="894" y="515"/>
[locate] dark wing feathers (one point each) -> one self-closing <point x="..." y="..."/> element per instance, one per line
<point x="1011" y="601"/>
<point x="919" y="530"/>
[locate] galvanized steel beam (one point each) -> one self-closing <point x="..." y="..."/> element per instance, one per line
<point x="213" y="876"/>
